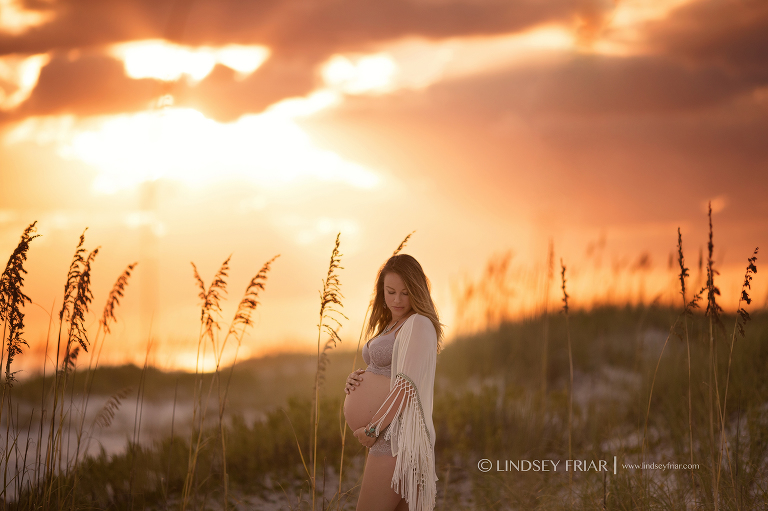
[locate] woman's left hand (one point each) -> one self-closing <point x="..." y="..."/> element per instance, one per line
<point x="364" y="439"/>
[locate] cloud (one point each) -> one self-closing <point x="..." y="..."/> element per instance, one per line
<point x="594" y="85"/>
<point x="169" y="62"/>
<point x="91" y="84"/>
<point x="15" y="19"/>
<point x="18" y="78"/>
<point x="300" y="36"/>
<point x="565" y="83"/>
<point x="225" y="97"/>
<point x="712" y="37"/>
<point x="591" y="138"/>
<point x="96" y="84"/>
<point x="84" y="24"/>
<point x="732" y="35"/>
<point x="320" y="27"/>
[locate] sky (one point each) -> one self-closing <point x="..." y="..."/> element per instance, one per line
<point x="191" y="130"/>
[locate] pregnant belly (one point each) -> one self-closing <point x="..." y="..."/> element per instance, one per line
<point x="362" y="403"/>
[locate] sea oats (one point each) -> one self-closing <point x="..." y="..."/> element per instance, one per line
<point x="113" y="300"/>
<point x="12" y="300"/>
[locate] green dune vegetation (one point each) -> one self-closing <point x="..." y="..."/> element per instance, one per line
<point x="556" y="411"/>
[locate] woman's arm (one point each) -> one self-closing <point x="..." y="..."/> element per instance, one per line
<point x="419" y="357"/>
<point x="404" y="389"/>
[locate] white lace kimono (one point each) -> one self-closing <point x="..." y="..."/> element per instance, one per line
<point x="412" y="433"/>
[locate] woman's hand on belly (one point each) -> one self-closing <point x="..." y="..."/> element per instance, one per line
<point x="360" y="406"/>
<point x="353" y="380"/>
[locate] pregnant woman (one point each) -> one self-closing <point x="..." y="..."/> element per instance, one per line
<point x="389" y="404"/>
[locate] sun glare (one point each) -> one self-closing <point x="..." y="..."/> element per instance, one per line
<point x="360" y="74"/>
<point x="633" y="12"/>
<point x="471" y="56"/>
<point x="416" y="63"/>
<point x="243" y="59"/>
<point x="624" y="33"/>
<point x="169" y="62"/>
<point x="270" y="148"/>
<point x="182" y="144"/>
<point x="15" y="19"/>
<point x="18" y="78"/>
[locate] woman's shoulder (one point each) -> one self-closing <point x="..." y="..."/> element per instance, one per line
<point x="423" y="322"/>
<point x="416" y="317"/>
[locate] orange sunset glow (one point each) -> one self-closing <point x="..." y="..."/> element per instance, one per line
<point x="180" y="132"/>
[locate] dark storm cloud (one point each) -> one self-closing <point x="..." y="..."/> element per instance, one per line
<point x="300" y="34"/>
<point x="222" y="96"/>
<point x="90" y="85"/>
<point x="317" y="26"/>
<point x="733" y="35"/>
<point x="87" y="23"/>
<point x="640" y="163"/>
<point x="579" y="85"/>
<point x="706" y="53"/>
<point x="595" y="85"/>
<point x="94" y="84"/>
<point x="332" y="25"/>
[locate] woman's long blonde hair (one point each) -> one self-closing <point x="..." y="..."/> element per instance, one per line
<point x="418" y="287"/>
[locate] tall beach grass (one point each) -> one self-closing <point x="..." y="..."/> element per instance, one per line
<point x="647" y="383"/>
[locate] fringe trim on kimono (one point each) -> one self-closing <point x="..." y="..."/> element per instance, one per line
<point x="414" y="473"/>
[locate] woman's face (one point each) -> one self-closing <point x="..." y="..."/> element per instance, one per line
<point x="396" y="296"/>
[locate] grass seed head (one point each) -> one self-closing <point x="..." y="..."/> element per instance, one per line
<point x="401" y="246"/>
<point x="565" y="295"/>
<point x="330" y="295"/>
<point x="81" y="300"/>
<point x="681" y="262"/>
<point x="105" y="416"/>
<point x="73" y="276"/>
<point x="113" y="300"/>
<point x="211" y="298"/>
<point x="743" y="314"/>
<point x="251" y="298"/>
<point x="12" y="300"/>
<point x="713" y="309"/>
<point x="324" y="360"/>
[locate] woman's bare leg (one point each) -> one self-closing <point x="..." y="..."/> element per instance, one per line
<point x="402" y="506"/>
<point x="376" y="494"/>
